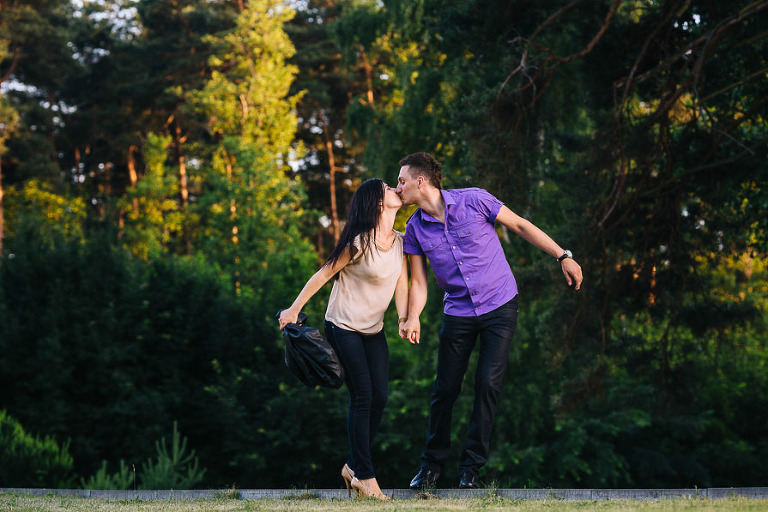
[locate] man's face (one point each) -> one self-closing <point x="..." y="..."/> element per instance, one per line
<point x="407" y="186"/>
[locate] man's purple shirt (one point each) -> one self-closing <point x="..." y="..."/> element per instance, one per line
<point x="465" y="252"/>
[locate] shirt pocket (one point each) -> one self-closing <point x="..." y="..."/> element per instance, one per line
<point x="435" y="248"/>
<point x="471" y="234"/>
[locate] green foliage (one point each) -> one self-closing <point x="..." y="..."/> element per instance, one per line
<point x="27" y="461"/>
<point x="251" y="216"/>
<point x="153" y="220"/>
<point x="36" y="207"/>
<point x="170" y="470"/>
<point x="109" y="335"/>
<point x="330" y="156"/>
<point x="101" y="480"/>
<point x="174" y="470"/>
<point x="9" y="116"/>
<point x="34" y="52"/>
<point x="130" y="298"/>
<point x="246" y="94"/>
<point x="527" y="110"/>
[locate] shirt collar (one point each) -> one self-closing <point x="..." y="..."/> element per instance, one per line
<point x="447" y="197"/>
<point x="449" y="201"/>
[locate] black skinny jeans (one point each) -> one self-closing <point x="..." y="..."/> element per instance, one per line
<point x="365" y="359"/>
<point x="458" y="336"/>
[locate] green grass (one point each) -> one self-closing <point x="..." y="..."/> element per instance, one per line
<point x="26" y="503"/>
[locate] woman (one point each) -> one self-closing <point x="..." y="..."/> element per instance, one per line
<point x="368" y="267"/>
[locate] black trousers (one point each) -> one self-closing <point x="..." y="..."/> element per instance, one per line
<point x="458" y="337"/>
<point x="365" y="359"/>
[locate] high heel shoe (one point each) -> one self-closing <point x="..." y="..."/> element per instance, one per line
<point x="347" y="474"/>
<point x="366" y="489"/>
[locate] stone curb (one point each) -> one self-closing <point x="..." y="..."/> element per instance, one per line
<point x="521" y="494"/>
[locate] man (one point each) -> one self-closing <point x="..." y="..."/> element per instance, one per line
<point x="454" y="230"/>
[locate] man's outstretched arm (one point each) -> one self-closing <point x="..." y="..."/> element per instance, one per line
<point x="536" y="237"/>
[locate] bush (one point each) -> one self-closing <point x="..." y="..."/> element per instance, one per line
<point x="174" y="470"/>
<point x="103" y="481"/>
<point x="27" y="461"/>
<point x="170" y="470"/>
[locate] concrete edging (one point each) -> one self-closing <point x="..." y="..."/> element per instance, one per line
<point x="523" y="494"/>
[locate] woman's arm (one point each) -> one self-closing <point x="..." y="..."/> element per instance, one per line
<point x="401" y="294"/>
<point x="317" y="281"/>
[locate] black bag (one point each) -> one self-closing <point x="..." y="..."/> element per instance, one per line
<point x="310" y="357"/>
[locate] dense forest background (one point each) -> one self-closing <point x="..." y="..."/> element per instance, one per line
<point x="172" y="171"/>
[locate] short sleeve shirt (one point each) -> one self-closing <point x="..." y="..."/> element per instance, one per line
<point x="465" y="253"/>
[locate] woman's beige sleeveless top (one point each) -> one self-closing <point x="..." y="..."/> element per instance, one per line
<point x="365" y="287"/>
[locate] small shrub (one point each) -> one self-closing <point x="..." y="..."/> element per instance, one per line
<point x="120" y="481"/>
<point x="174" y="470"/>
<point x="27" y="461"/>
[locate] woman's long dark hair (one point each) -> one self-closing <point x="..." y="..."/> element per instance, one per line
<point x="362" y="219"/>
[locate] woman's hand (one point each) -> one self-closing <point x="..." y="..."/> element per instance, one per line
<point x="401" y="327"/>
<point x="288" y="316"/>
<point x="411" y="330"/>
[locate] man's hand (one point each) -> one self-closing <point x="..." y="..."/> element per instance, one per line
<point x="411" y="330"/>
<point x="572" y="272"/>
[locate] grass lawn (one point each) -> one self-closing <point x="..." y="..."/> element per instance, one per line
<point x="27" y="503"/>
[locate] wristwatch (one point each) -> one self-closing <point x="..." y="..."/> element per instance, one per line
<point x="566" y="254"/>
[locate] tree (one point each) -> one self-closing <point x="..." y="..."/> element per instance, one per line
<point x="251" y="123"/>
<point x="153" y="219"/>
<point x="152" y="225"/>
<point x="519" y="98"/>
<point x="8" y="114"/>
<point x="34" y="61"/>
<point x="9" y="118"/>
<point x="140" y="67"/>
<point x="329" y="87"/>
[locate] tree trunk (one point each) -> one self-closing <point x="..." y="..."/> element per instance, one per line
<point x="180" y="12"/>
<point x="233" y="218"/>
<point x="2" y="219"/>
<point x="332" y="167"/>
<point x="368" y="74"/>
<point x="12" y="67"/>
<point x="133" y="177"/>
<point x="178" y="141"/>
<point x="79" y="170"/>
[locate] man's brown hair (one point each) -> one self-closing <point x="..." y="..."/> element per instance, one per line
<point x="425" y="164"/>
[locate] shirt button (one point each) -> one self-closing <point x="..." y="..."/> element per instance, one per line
<point x="454" y="246"/>
<point x="467" y="279"/>
<point x="461" y="263"/>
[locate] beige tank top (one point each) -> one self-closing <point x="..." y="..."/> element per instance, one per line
<point x="365" y="287"/>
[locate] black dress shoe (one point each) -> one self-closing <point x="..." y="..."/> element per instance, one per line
<point x="424" y="479"/>
<point x="468" y="480"/>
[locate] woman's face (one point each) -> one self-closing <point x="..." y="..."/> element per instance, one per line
<point x="391" y="198"/>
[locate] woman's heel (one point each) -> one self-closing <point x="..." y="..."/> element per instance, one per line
<point x="347" y="474"/>
<point x="363" y="489"/>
